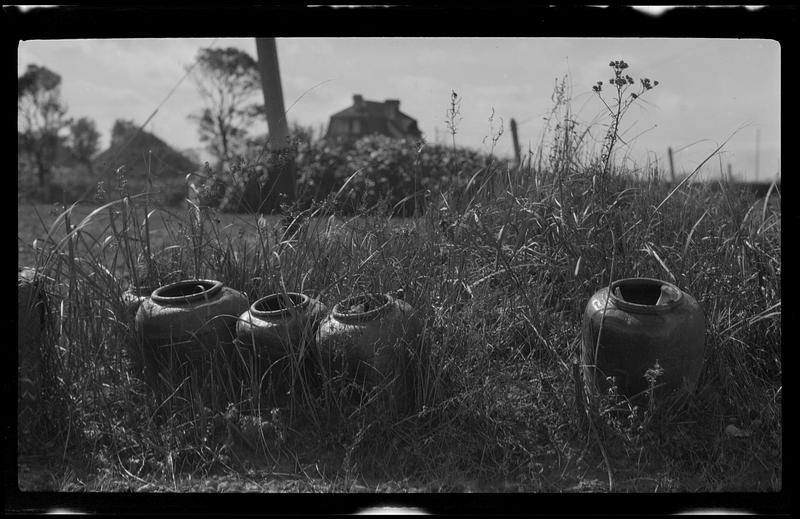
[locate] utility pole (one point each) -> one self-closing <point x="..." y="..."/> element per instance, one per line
<point x="284" y="177"/>
<point x="516" y="142"/>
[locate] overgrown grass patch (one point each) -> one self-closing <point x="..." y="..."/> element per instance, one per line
<point x="501" y="286"/>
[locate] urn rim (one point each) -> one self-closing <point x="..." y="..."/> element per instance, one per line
<point x="653" y="286"/>
<point x="186" y="291"/>
<point x="299" y="302"/>
<point x="369" y="315"/>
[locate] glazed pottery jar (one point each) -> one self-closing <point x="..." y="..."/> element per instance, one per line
<point x="367" y="338"/>
<point x="31" y="305"/>
<point x="184" y="324"/>
<point x="643" y="321"/>
<point x="31" y="312"/>
<point x="277" y="332"/>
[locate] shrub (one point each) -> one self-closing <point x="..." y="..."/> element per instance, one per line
<point x="397" y="172"/>
<point x="401" y="171"/>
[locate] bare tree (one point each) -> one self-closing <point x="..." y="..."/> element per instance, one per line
<point x="227" y="79"/>
<point x="41" y="115"/>
<point x="84" y="141"/>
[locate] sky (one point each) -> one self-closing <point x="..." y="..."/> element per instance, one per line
<point x="708" y="89"/>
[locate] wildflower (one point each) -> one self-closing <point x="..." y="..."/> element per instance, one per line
<point x="652" y="374"/>
<point x="122" y="180"/>
<point x="100" y="196"/>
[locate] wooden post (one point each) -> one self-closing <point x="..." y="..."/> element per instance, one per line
<point x="516" y="141"/>
<point x="671" y="165"/>
<point x="656" y="171"/>
<point x="758" y="149"/>
<point x="284" y="177"/>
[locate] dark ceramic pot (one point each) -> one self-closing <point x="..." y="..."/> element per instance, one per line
<point x="31" y="314"/>
<point x="276" y="334"/>
<point x="369" y="339"/>
<point x="644" y="321"/>
<point x="187" y="328"/>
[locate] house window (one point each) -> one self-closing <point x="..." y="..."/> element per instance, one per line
<point x="356" y="125"/>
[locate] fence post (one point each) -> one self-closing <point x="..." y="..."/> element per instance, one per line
<point x="516" y="141"/>
<point x="671" y="165"/>
<point x="758" y="149"/>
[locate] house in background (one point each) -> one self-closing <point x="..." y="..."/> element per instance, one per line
<point x="368" y="117"/>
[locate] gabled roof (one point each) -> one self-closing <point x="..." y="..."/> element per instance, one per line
<point x="368" y="108"/>
<point x="374" y="118"/>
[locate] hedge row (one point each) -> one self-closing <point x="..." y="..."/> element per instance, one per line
<point x="395" y="171"/>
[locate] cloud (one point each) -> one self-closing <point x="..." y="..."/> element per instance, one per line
<point x="434" y="57"/>
<point x="291" y="48"/>
<point x="422" y="84"/>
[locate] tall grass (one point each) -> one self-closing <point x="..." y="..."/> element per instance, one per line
<point x="499" y="272"/>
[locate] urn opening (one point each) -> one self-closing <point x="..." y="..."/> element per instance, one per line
<point x="278" y="305"/>
<point x="644" y="294"/>
<point x="362" y="307"/>
<point x="187" y="291"/>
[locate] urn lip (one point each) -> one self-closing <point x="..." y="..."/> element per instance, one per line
<point x="273" y="306"/>
<point x="385" y="302"/>
<point x="186" y="291"/>
<point x="644" y="294"/>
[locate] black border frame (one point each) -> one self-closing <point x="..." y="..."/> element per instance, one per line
<point x="778" y="22"/>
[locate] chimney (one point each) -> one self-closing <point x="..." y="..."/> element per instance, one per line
<point x="391" y="107"/>
<point x="358" y="101"/>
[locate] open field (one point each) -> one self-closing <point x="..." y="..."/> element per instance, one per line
<point x="501" y="281"/>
